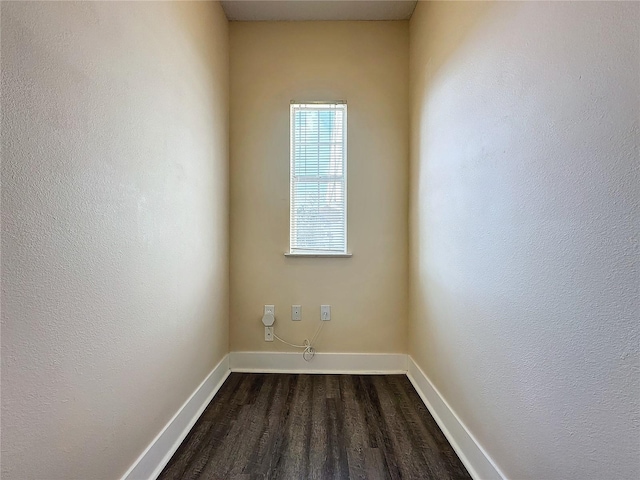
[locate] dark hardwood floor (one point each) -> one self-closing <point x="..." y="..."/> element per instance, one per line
<point x="261" y="426"/>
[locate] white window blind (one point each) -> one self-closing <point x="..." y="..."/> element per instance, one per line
<point x="318" y="178"/>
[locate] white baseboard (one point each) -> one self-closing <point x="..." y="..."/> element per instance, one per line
<point x="473" y="456"/>
<point x="292" y="362"/>
<point x="156" y="456"/>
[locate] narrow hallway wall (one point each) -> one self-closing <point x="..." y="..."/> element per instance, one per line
<point x="524" y="217"/>
<point x="366" y="64"/>
<point x="114" y="227"/>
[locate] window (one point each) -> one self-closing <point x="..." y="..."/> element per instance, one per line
<point x="318" y="224"/>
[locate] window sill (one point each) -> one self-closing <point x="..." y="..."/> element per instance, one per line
<point x="319" y="255"/>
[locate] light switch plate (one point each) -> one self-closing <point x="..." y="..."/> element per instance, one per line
<point x="325" y="313"/>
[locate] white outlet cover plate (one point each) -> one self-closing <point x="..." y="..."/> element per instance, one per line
<point x="268" y="334"/>
<point x="325" y="312"/>
<point x="296" y="313"/>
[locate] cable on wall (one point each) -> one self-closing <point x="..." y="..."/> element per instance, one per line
<point x="309" y="351"/>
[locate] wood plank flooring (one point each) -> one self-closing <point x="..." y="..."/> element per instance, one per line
<point x="276" y="426"/>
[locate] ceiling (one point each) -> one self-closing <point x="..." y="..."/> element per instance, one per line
<point x="291" y="10"/>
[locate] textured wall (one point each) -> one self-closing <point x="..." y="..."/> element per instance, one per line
<point x="524" y="217"/>
<point x="114" y="227"/>
<point x="365" y="63"/>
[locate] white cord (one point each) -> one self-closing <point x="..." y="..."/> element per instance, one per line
<point x="309" y="352"/>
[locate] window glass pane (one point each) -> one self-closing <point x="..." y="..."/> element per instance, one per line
<point x="318" y="183"/>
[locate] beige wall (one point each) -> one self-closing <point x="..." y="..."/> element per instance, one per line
<point x="365" y="63"/>
<point x="114" y="227"/>
<point x="524" y="217"/>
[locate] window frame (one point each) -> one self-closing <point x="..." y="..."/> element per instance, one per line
<point x="317" y="105"/>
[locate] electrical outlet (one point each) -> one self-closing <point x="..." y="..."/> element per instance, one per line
<point x="325" y="313"/>
<point x="296" y="313"/>
<point x="268" y="334"/>
<point x="270" y="309"/>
